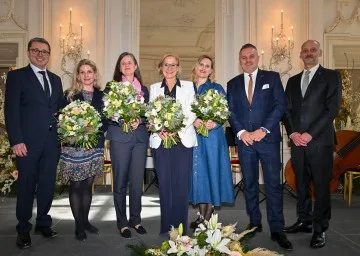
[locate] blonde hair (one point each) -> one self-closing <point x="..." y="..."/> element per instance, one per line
<point x="193" y="75"/>
<point x="162" y="59"/>
<point x="76" y="86"/>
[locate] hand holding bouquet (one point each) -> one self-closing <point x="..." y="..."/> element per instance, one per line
<point x="166" y="118"/>
<point x="79" y="124"/>
<point x="123" y="104"/>
<point x="210" y="106"/>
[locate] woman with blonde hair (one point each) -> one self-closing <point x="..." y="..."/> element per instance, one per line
<point x="77" y="165"/>
<point x="173" y="166"/>
<point x="211" y="181"/>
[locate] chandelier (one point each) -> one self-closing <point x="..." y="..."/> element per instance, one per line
<point x="281" y="49"/>
<point x="71" y="47"/>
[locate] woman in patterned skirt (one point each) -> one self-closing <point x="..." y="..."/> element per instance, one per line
<point x="77" y="165"/>
<point x="211" y="181"/>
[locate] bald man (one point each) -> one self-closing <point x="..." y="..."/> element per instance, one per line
<point x="313" y="101"/>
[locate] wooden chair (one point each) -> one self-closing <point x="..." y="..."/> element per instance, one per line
<point x="235" y="168"/>
<point x="350" y="175"/>
<point x="107" y="166"/>
<point x="149" y="168"/>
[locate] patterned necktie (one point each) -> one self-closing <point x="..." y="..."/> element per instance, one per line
<point x="250" y="89"/>
<point x="46" y="85"/>
<point x="305" y="83"/>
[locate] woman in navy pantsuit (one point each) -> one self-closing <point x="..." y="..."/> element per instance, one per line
<point x="173" y="166"/>
<point x="128" y="153"/>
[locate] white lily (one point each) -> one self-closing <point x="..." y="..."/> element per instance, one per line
<point x="213" y="222"/>
<point x="214" y="239"/>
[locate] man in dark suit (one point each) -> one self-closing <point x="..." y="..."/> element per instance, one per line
<point x="313" y="101"/>
<point x="257" y="103"/>
<point x="32" y="98"/>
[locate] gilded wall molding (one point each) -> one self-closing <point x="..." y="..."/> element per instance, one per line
<point x="355" y="16"/>
<point x="11" y="15"/>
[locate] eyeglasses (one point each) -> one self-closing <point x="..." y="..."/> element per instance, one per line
<point x="37" y="52"/>
<point x="169" y="66"/>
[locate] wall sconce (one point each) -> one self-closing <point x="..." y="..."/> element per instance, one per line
<point x="281" y="49"/>
<point x="71" y="46"/>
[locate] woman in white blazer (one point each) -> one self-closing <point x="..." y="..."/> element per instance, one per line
<point x="173" y="166"/>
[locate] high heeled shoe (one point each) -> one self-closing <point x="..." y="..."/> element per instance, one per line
<point x="197" y="222"/>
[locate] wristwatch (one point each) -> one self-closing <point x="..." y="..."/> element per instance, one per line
<point x="264" y="130"/>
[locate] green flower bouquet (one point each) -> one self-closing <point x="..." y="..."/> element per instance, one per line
<point x="210" y="106"/>
<point x="79" y="125"/>
<point x="164" y="115"/>
<point x="123" y="104"/>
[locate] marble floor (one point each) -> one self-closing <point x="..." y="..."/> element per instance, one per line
<point x="343" y="237"/>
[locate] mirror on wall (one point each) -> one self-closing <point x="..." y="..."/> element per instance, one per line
<point x="9" y="53"/>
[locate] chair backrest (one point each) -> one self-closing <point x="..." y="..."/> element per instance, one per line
<point x="107" y="150"/>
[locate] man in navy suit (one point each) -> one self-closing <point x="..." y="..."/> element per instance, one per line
<point x="32" y="98"/>
<point x="313" y="101"/>
<point x="257" y="104"/>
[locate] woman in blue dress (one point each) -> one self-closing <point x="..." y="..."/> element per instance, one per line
<point x="211" y="180"/>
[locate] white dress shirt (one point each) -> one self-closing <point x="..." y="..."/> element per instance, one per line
<point x="40" y="77"/>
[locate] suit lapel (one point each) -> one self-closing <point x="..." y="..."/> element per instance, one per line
<point x="37" y="85"/>
<point x="242" y="92"/>
<point x="257" y="90"/>
<point x="313" y="81"/>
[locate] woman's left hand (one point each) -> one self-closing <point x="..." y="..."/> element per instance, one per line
<point x="135" y="123"/>
<point x="210" y="125"/>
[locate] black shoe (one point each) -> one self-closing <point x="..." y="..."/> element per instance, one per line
<point x="258" y="228"/>
<point x="282" y="240"/>
<point x="91" y="229"/>
<point x="47" y="232"/>
<point x="80" y="235"/>
<point x="125" y="233"/>
<point x="23" y="240"/>
<point x="140" y="230"/>
<point x="317" y="240"/>
<point x="195" y="224"/>
<point x="298" y="226"/>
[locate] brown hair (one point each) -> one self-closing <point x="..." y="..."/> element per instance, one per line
<point x="117" y="72"/>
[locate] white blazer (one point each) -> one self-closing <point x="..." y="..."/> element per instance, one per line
<point x="185" y="95"/>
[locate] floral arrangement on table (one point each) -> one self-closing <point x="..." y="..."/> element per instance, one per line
<point x="348" y="115"/>
<point x="210" y="106"/>
<point x="164" y="114"/>
<point x="123" y="104"/>
<point x="79" y="125"/>
<point x="210" y="238"/>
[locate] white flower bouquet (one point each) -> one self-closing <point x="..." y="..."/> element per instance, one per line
<point x="123" y="104"/>
<point x="211" y="238"/>
<point x="79" y="125"/>
<point x="164" y="115"/>
<point x="210" y="106"/>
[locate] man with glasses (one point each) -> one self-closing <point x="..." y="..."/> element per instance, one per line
<point x="32" y="98"/>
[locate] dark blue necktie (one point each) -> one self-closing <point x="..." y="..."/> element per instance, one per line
<point x="46" y="85"/>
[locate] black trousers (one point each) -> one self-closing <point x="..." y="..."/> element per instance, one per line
<point x="128" y="162"/>
<point x="313" y="162"/>
<point x="173" y="168"/>
<point x="37" y="175"/>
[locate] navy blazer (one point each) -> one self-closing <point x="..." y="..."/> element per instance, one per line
<point x="315" y="112"/>
<point x="267" y="108"/>
<point x="98" y="104"/>
<point x="28" y="113"/>
<point x="115" y="133"/>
